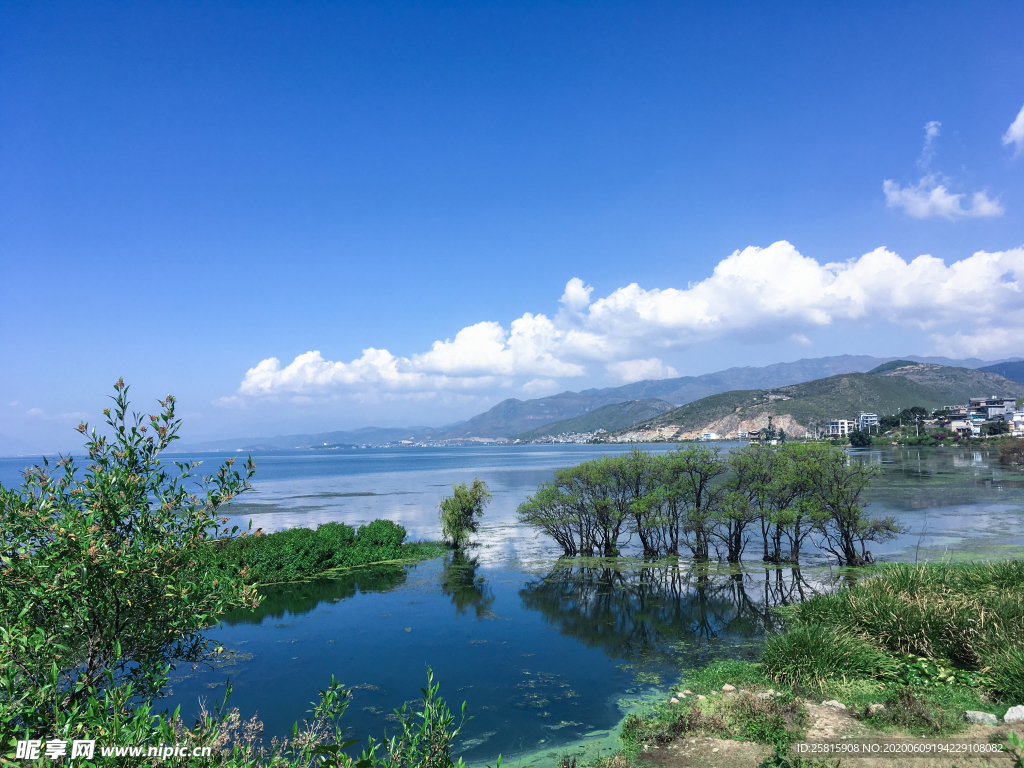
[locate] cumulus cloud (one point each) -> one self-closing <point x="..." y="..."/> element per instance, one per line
<point x="577" y="295"/>
<point x="930" y="197"/>
<point x="1015" y="133"/>
<point x="970" y="307"/>
<point x="309" y="374"/>
<point x="486" y="348"/>
<point x="627" y="371"/>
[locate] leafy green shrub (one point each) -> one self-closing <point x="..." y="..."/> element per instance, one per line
<point x="816" y="653"/>
<point x="104" y="581"/>
<point x="300" y="553"/>
<point x="423" y="744"/>
<point x="380" y="540"/>
<point x="922" y="671"/>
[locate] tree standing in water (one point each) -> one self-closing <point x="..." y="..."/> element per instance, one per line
<point x="460" y="513"/>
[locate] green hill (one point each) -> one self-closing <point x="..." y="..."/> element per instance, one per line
<point x="609" y="418"/>
<point x="892" y="365"/>
<point x="805" y="406"/>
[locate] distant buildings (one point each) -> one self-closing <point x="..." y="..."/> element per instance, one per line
<point x="966" y="420"/>
<point x="992" y="407"/>
<point x="840" y="427"/>
<point x="741" y="434"/>
<point x="710" y="435"/>
<point x="1016" y="420"/>
<point x="964" y="427"/>
<point x="867" y="420"/>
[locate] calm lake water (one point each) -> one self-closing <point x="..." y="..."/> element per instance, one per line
<point x="548" y="655"/>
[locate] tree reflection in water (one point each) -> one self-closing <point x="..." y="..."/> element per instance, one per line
<point x="667" y="612"/>
<point x="302" y="597"/>
<point x="467" y="590"/>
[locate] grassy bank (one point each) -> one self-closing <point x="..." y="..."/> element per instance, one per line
<point x="953" y="624"/>
<point x="302" y="553"/>
<point x="909" y="648"/>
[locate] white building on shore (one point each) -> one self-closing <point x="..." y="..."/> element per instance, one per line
<point x="840" y="427"/>
<point x="867" y="420"/>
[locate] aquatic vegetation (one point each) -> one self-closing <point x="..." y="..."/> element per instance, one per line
<point x="460" y="513"/>
<point x="301" y="553"/>
<point x="693" y="499"/>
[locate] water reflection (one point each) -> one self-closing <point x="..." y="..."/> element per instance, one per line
<point x="670" y="612"/>
<point x="302" y="597"/>
<point x="460" y="581"/>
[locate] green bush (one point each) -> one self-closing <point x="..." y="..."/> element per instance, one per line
<point x="104" y="580"/>
<point x="380" y="540"/>
<point x="300" y="553"/>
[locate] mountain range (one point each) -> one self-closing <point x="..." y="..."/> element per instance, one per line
<point x="521" y="417"/>
<point x="807" y="406"/>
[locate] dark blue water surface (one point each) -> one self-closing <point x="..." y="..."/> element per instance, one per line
<point x="548" y="654"/>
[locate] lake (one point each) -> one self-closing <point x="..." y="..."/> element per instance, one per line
<point x="549" y="655"/>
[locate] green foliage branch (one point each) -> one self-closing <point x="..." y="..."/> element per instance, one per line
<point x="103" y="579"/>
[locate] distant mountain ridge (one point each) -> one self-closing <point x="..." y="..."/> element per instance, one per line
<point x="607" y="417"/>
<point x="810" y="404"/>
<point x="516" y="417"/>
<point x="1013" y="369"/>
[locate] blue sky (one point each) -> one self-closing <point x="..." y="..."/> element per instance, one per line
<point x="199" y="196"/>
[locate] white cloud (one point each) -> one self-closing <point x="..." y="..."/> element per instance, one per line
<point x="39" y="413"/>
<point x="540" y="387"/>
<point x="577" y="295"/>
<point x="930" y="196"/>
<point x="1015" y="133"/>
<point x="972" y="306"/>
<point x="931" y="133"/>
<point x="310" y="375"/>
<point x="627" y="371"/>
<point x="801" y="339"/>
<point x="486" y="348"/>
